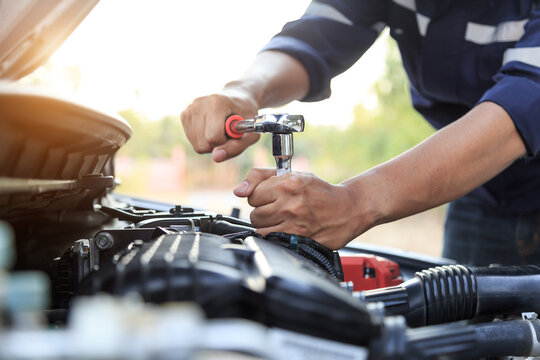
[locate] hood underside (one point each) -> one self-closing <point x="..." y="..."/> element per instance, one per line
<point x="31" y="30"/>
<point x="53" y="149"/>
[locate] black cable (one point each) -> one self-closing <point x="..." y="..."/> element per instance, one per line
<point x="321" y="256"/>
<point x="319" y="259"/>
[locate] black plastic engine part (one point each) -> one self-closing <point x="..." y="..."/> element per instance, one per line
<point x="454" y="292"/>
<point x="255" y="280"/>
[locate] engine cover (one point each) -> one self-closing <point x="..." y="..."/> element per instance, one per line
<point x="248" y="278"/>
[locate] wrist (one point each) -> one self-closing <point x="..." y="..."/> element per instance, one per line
<point x="367" y="205"/>
<point x="245" y="90"/>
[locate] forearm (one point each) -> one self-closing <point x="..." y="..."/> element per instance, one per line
<point x="274" y="79"/>
<point x="447" y="165"/>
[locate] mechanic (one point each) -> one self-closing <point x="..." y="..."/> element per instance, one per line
<point x="474" y="72"/>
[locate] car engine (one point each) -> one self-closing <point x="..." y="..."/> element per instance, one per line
<point x="176" y="282"/>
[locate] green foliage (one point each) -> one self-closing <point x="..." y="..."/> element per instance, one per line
<point x="374" y="136"/>
<point x="152" y="138"/>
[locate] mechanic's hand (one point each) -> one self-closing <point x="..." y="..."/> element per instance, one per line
<point x="204" y="124"/>
<point x="301" y="204"/>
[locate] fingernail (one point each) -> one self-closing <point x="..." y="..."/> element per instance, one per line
<point x="242" y="188"/>
<point x="219" y="155"/>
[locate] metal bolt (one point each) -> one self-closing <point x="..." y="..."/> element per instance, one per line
<point x="347" y="285"/>
<point x="104" y="241"/>
<point x="176" y="210"/>
<point x="138" y="242"/>
<point x="179" y="211"/>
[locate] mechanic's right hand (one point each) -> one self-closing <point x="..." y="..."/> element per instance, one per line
<point x="204" y="124"/>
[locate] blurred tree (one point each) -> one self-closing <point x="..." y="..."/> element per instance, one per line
<point x="152" y="139"/>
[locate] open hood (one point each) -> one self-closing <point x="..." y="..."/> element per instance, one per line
<point x="55" y="155"/>
<point x="31" y="30"/>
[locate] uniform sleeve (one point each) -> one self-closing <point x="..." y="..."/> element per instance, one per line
<point x="517" y="87"/>
<point x="329" y="38"/>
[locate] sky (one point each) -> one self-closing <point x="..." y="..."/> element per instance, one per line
<point x="158" y="56"/>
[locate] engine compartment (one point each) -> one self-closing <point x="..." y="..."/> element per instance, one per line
<point x="151" y="267"/>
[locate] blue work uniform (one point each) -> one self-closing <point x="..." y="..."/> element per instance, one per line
<point x="456" y="53"/>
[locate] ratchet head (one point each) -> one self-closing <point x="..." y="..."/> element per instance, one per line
<point x="278" y="123"/>
<point x="281" y="126"/>
<point x="267" y="123"/>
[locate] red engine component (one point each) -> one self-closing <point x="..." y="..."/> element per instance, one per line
<point x="370" y="272"/>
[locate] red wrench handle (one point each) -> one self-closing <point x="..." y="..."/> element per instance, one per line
<point x="230" y="127"/>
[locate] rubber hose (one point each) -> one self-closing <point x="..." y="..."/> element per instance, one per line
<point x="452" y="293"/>
<point x="497" y="339"/>
<point x="434" y="296"/>
<point x="508" y="289"/>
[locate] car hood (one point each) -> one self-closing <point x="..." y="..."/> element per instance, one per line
<point x="55" y="154"/>
<point x="31" y="30"/>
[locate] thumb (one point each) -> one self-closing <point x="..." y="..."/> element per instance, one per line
<point x="233" y="147"/>
<point x="253" y="178"/>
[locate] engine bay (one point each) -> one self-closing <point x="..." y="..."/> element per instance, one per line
<point x="167" y="281"/>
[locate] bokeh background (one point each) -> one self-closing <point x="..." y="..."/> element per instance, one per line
<point x="147" y="60"/>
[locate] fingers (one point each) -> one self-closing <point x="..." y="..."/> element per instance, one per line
<point x="269" y="195"/>
<point x="233" y="147"/>
<point x="271" y="229"/>
<point x="274" y="210"/>
<point x="204" y="125"/>
<point x="267" y="216"/>
<point x="252" y="181"/>
<point x="303" y="204"/>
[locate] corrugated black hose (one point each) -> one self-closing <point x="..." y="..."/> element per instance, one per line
<point x="452" y="293"/>
<point x="325" y="258"/>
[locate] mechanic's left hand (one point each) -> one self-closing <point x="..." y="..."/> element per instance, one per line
<point x="301" y="204"/>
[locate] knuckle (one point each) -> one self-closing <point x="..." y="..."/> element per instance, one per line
<point x="295" y="179"/>
<point x="201" y="147"/>
<point x="216" y="100"/>
<point x="199" y="100"/>
<point x="214" y="138"/>
<point x="253" y="173"/>
<point x="294" y="209"/>
<point x="185" y="116"/>
<point x="254" y="219"/>
<point x="292" y="184"/>
<point x="251" y="202"/>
